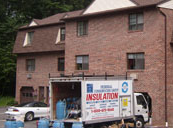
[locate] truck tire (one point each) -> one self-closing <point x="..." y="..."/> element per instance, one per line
<point x="139" y="123"/>
<point x="103" y="126"/>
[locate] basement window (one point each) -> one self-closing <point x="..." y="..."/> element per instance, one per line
<point x="82" y="62"/>
<point x="136" y="21"/>
<point x="28" y="39"/>
<point x="135" y="61"/>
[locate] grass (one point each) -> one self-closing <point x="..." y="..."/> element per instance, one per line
<point x="5" y="100"/>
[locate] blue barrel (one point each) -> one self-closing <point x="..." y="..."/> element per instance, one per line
<point x="20" y="124"/>
<point x="43" y="123"/>
<point x="77" y="125"/>
<point x="60" y="110"/>
<point x="10" y="124"/>
<point x="58" y="124"/>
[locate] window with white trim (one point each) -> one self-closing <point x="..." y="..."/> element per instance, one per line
<point x="28" y="38"/>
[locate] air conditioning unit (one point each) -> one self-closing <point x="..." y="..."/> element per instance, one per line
<point x="29" y="76"/>
<point x="134" y="76"/>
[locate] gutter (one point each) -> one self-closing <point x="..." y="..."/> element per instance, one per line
<point x="39" y="26"/>
<point x="166" y="111"/>
<point x="108" y="12"/>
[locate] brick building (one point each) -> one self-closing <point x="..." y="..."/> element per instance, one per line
<point x="132" y="37"/>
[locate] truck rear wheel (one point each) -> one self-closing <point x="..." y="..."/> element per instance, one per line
<point x="139" y="123"/>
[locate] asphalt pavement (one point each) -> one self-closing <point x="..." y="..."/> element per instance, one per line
<point x="32" y="124"/>
<point x="28" y="124"/>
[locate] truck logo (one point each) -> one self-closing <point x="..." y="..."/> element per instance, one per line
<point x="124" y="87"/>
<point x="89" y="88"/>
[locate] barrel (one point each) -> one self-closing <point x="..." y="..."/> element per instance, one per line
<point x="58" y="124"/>
<point x="20" y="124"/>
<point x="60" y="110"/>
<point x="43" y="123"/>
<point x="10" y="124"/>
<point x="77" y="125"/>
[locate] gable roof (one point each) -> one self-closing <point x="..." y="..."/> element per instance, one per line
<point x="148" y="2"/>
<point x="104" y="5"/>
<point x="60" y="17"/>
<point x="54" y="19"/>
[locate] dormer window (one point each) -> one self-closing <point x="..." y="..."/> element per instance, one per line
<point x="62" y="34"/>
<point x="28" y="38"/>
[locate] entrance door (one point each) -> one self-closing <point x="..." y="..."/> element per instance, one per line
<point x="125" y="106"/>
<point x="26" y="94"/>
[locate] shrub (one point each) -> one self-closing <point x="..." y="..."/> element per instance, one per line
<point x="12" y="103"/>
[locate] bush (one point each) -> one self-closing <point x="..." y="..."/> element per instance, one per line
<point x="5" y="100"/>
<point x="12" y="103"/>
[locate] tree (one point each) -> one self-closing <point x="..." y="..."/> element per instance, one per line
<point x="15" y="13"/>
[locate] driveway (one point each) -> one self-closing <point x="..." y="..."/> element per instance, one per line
<point x="32" y="124"/>
<point x="29" y="124"/>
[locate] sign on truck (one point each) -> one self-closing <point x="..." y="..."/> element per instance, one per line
<point x="95" y="102"/>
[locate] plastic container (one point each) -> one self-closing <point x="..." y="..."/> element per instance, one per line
<point x="20" y="124"/>
<point x="43" y="123"/>
<point x="60" y="110"/>
<point x="77" y="125"/>
<point x="10" y="124"/>
<point x="58" y="124"/>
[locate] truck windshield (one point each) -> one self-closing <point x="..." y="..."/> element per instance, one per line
<point x="141" y="101"/>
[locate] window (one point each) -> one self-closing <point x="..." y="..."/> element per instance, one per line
<point x="82" y="62"/>
<point x="60" y="64"/>
<point x="28" y="38"/>
<point x="82" y="28"/>
<point x="30" y="64"/>
<point x="62" y="38"/>
<point x="135" y="61"/>
<point x="136" y="21"/>
<point x="141" y="101"/>
<point x="42" y="104"/>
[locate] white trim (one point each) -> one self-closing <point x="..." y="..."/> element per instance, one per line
<point x="33" y="23"/>
<point x="104" y="5"/>
<point x="26" y="40"/>
<point x="167" y="5"/>
<point x="58" y="36"/>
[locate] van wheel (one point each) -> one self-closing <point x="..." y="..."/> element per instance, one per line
<point x="29" y="116"/>
<point x="139" y="123"/>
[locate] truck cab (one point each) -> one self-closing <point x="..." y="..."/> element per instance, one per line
<point x="142" y="108"/>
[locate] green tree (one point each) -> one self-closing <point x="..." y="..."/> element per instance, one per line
<point x="15" y="13"/>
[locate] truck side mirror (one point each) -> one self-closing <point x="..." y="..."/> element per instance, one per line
<point x="144" y="106"/>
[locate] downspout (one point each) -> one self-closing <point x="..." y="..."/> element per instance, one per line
<point x="166" y="111"/>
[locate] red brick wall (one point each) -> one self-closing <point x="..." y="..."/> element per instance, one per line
<point x="169" y="14"/>
<point x="107" y="44"/>
<point x="45" y="63"/>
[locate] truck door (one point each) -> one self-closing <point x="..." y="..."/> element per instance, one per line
<point x="141" y="107"/>
<point x="125" y="106"/>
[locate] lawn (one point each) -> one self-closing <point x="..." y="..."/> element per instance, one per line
<point x="4" y="101"/>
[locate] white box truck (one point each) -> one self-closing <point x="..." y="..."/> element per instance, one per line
<point x="97" y="101"/>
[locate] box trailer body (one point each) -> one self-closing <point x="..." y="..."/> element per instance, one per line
<point x="102" y="100"/>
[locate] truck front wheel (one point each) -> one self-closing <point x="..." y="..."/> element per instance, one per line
<point x="139" y="123"/>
